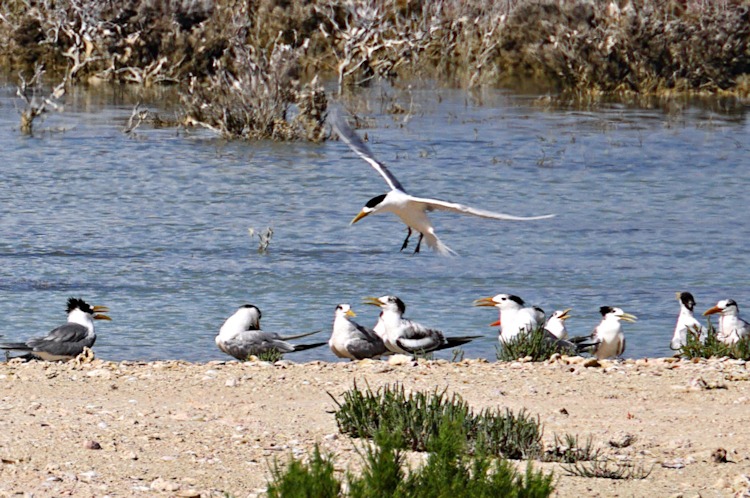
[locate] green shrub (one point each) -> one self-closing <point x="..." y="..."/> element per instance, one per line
<point x="298" y="480"/>
<point x="536" y="344"/>
<point x="417" y="417"/>
<point x="602" y="469"/>
<point x="713" y="347"/>
<point x="450" y="471"/>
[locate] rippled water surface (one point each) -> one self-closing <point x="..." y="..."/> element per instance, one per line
<point x="155" y="225"/>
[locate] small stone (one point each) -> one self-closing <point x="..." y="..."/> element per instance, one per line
<point x="92" y="445"/>
<point x="399" y="359"/>
<point x="87" y="476"/>
<point x="189" y="493"/>
<point x="99" y="373"/>
<point x="231" y="382"/>
<point x="160" y="484"/>
<point x="591" y="363"/>
<point x="130" y="455"/>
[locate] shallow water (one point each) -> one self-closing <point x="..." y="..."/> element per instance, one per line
<point x="155" y="225"/>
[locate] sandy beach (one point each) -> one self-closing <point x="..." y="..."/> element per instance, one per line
<point x="178" y="429"/>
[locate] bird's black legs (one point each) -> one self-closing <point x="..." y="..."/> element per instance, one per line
<point x="419" y="243"/>
<point x="406" y="240"/>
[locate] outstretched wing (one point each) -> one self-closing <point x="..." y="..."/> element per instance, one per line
<point x="361" y="149"/>
<point x="435" y="204"/>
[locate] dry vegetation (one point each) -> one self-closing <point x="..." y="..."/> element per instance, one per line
<point x="248" y="68"/>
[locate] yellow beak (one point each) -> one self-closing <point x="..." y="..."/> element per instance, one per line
<point x="485" y="301"/>
<point x="374" y="301"/>
<point x="98" y="310"/>
<point x="628" y="317"/>
<point x="361" y="215"/>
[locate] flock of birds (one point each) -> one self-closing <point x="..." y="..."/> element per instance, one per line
<point x="241" y="335"/>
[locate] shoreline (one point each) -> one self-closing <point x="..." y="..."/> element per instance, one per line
<point x="175" y="428"/>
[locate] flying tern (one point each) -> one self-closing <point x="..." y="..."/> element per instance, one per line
<point x="607" y="339"/>
<point x="412" y="210"/>
<point x="66" y="341"/>
<point x="732" y="328"/>
<point x="515" y="317"/>
<point x="686" y="322"/>
<point x="352" y="340"/>
<point x="405" y="336"/>
<point x="240" y="336"/>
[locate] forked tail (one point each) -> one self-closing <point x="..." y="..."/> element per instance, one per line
<point x="437" y="245"/>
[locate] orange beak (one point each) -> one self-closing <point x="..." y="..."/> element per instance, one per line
<point x="711" y="311"/>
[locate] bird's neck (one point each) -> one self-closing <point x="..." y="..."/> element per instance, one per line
<point x="84" y="319"/>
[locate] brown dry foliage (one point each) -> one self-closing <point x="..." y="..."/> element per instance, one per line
<point x="265" y="48"/>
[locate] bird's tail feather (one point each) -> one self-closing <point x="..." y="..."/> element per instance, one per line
<point x="302" y="347"/>
<point x="19" y="346"/>
<point x="453" y="342"/>
<point x="437" y="245"/>
<point x="298" y="336"/>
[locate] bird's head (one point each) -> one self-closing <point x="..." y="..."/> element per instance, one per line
<point x="345" y="310"/>
<point x="369" y="208"/>
<point x="725" y="307"/>
<point x="562" y="315"/>
<point x="617" y="313"/>
<point x="387" y="303"/>
<point x="686" y="299"/>
<point x="502" y="301"/>
<point x="247" y="317"/>
<point x="96" y="312"/>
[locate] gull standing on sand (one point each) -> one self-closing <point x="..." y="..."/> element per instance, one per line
<point x="686" y="322"/>
<point x="607" y="339"/>
<point x="412" y="210"/>
<point x="352" y="340"/>
<point x="515" y="317"/>
<point x="405" y="336"/>
<point x="732" y="328"/>
<point x="241" y="337"/>
<point x="66" y="341"/>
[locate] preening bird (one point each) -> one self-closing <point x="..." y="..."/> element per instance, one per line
<point x="240" y="336"/>
<point x="686" y="322"/>
<point x="515" y="317"/>
<point x="607" y="340"/>
<point x="412" y="210"/>
<point x="352" y="340"/>
<point x="66" y="341"/>
<point x="556" y="323"/>
<point x="405" y="336"/>
<point x="732" y="328"/>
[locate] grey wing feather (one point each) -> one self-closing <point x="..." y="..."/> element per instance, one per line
<point x="362" y="150"/>
<point x="436" y="204"/>
<point x="417" y="338"/>
<point x="66" y="340"/>
<point x="254" y="343"/>
<point x="368" y="345"/>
